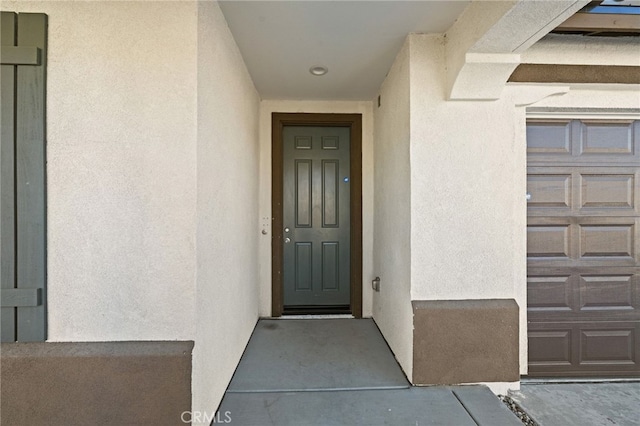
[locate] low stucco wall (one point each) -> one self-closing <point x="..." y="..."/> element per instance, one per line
<point x="465" y="341"/>
<point x="116" y="383"/>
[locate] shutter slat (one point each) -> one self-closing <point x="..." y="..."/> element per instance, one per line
<point x="20" y="297"/>
<point x="15" y="55"/>
<point x="31" y="177"/>
<point x="7" y="174"/>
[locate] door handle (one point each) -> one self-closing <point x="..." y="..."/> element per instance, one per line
<point x="287" y="240"/>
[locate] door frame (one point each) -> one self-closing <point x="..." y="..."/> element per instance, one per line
<point x="354" y="123"/>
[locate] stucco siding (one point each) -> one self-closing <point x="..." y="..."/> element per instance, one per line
<point x="610" y="100"/>
<point x="580" y="50"/>
<point x="465" y="182"/>
<point x="467" y="190"/>
<point x="392" y="309"/>
<point x="121" y="148"/>
<point x="227" y="209"/>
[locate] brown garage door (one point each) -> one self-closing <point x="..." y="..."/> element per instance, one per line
<point x="583" y="247"/>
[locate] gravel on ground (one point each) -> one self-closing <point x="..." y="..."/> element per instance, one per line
<point x="518" y="411"/>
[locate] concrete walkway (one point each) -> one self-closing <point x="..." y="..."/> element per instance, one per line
<point x="341" y="372"/>
<point x="581" y="404"/>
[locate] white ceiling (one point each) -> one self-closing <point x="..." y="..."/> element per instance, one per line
<point x="356" y="40"/>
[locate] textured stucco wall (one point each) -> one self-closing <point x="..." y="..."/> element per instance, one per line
<point x="580" y="50"/>
<point x="392" y="309"/>
<point x="468" y="208"/>
<point x="227" y="212"/>
<point x="121" y="122"/>
<point x="267" y="107"/>
<point x="465" y="184"/>
<point x="608" y="100"/>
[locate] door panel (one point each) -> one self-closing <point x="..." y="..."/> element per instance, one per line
<point x="316" y="216"/>
<point x="303" y="193"/>
<point x="583" y="248"/>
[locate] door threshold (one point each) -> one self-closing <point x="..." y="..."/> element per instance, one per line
<point x="317" y="310"/>
<point x="317" y="316"/>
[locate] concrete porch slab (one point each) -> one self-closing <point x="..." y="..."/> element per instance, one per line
<point x="341" y="372"/>
<point x="317" y="355"/>
<point x="371" y="407"/>
<point x="413" y="406"/>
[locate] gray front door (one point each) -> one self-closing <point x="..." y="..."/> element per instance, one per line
<point x="316" y="217"/>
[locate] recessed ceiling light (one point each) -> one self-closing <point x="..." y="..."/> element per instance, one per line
<point x="318" y="70"/>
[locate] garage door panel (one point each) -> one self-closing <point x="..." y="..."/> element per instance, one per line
<point x="608" y="346"/>
<point x="551" y="347"/>
<point x="584" y="349"/>
<point x="548" y="241"/>
<point x="583" y="191"/>
<point x="549" y="293"/>
<point x="583" y="241"/>
<point x="614" y="138"/>
<point x="549" y="191"/>
<point x="549" y="137"/>
<point x="576" y="142"/>
<point x="612" y="241"/>
<point x="583" y="294"/>
<point x="583" y="247"/>
<point x="607" y="292"/>
<point x="608" y="191"/>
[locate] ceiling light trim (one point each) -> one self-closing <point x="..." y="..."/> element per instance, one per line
<point x="318" y="70"/>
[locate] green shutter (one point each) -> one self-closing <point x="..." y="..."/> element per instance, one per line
<point x="23" y="39"/>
